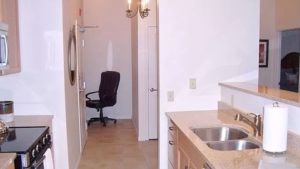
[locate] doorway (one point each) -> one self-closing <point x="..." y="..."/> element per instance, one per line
<point x="80" y="87"/>
<point x="152" y="83"/>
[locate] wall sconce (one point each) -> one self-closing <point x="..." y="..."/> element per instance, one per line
<point x="141" y="6"/>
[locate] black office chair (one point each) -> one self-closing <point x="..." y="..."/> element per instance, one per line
<point x="107" y="95"/>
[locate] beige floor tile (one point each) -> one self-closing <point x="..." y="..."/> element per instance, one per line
<point x="116" y="147"/>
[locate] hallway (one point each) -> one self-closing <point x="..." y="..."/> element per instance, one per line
<point x="116" y="147"/>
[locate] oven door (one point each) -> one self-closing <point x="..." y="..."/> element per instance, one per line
<point x="44" y="161"/>
<point x="38" y="163"/>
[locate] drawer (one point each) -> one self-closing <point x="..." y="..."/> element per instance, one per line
<point x="172" y="150"/>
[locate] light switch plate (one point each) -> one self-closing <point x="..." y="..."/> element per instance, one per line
<point x="170" y="96"/>
<point x="193" y="83"/>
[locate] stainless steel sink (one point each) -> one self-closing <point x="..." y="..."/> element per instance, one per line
<point x="233" y="145"/>
<point x="219" y="133"/>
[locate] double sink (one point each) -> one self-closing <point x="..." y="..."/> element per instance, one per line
<point x="226" y="138"/>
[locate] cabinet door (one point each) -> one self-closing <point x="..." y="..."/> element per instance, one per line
<point x="9" y="15"/>
<point x="170" y="166"/>
<point x="183" y="160"/>
<point x="193" y="166"/>
<point x="172" y="148"/>
<point x="11" y="166"/>
<point x="194" y="156"/>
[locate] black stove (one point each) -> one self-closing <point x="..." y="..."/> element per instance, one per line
<point x="29" y="143"/>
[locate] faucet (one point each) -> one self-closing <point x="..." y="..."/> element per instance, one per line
<point x="251" y="119"/>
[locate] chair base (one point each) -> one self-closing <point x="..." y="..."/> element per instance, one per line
<point x="102" y="120"/>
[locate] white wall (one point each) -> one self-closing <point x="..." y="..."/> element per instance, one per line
<point x="254" y="104"/>
<point x="277" y="16"/>
<point x="135" y="74"/>
<point x="71" y="10"/>
<point x="142" y="64"/>
<point x="287" y="14"/>
<point x="270" y="76"/>
<point x="39" y="88"/>
<point x="114" y="28"/>
<point x="210" y="41"/>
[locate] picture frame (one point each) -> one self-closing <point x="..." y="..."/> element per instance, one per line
<point x="263" y="56"/>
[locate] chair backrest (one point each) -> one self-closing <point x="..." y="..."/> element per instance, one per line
<point x="108" y="87"/>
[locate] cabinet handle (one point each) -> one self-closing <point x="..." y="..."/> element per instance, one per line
<point x="171" y="128"/>
<point x="171" y="143"/>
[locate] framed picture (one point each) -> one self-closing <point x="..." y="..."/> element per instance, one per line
<point x="263" y="52"/>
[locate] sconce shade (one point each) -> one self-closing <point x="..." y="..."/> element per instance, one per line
<point x="139" y="6"/>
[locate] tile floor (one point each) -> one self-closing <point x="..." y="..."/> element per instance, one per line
<point x="116" y="147"/>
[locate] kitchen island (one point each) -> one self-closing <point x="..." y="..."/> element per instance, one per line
<point x="245" y="159"/>
<point x="284" y="96"/>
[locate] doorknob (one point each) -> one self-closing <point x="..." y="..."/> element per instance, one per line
<point x="153" y="90"/>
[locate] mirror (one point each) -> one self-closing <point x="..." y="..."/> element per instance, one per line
<point x="279" y="27"/>
<point x="72" y="56"/>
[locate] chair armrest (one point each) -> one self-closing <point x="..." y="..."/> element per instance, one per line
<point x="87" y="95"/>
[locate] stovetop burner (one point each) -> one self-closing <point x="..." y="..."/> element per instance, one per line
<point x="29" y="143"/>
<point x="20" y="139"/>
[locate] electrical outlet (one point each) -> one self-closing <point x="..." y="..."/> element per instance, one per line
<point x="170" y="95"/>
<point x="193" y="84"/>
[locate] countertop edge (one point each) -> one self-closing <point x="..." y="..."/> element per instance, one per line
<point x="212" y="156"/>
<point x="233" y="85"/>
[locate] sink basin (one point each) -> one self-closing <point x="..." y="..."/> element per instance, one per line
<point x="219" y="133"/>
<point x="236" y="145"/>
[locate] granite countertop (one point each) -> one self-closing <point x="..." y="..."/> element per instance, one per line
<point x="246" y="159"/>
<point x="6" y="159"/>
<point x="284" y="96"/>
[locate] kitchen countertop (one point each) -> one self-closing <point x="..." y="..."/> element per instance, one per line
<point x="6" y="159"/>
<point x="246" y="159"/>
<point x="33" y="120"/>
<point x="284" y="96"/>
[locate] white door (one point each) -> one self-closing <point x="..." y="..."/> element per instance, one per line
<point x="152" y="82"/>
<point x="81" y="89"/>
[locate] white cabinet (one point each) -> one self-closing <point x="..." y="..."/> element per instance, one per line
<point x="9" y="15"/>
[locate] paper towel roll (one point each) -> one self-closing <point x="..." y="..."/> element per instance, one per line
<point x="275" y="128"/>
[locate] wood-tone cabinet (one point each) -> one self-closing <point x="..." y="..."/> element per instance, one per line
<point x="189" y="155"/>
<point x="182" y="153"/>
<point x="172" y="146"/>
<point x="11" y="165"/>
<point x="183" y="159"/>
<point x="9" y="15"/>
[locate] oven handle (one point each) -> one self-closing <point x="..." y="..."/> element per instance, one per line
<point x="35" y="165"/>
